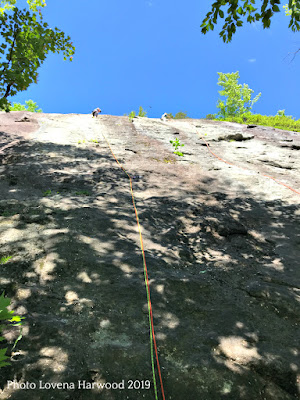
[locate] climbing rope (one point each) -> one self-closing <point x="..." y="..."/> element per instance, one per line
<point x="246" y="169"/>
<point x="150" y="313"/>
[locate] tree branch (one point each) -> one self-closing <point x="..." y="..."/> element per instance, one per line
<point x="7" y="90"/>
<point x="294" y="56"/>
<point x="295" y="53"/>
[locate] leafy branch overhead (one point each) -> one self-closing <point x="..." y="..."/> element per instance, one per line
<point x="237" y="12"/>
<point x="6" y="318"/>
<point x="6" y="5"/>
<point x="26" y="40"/>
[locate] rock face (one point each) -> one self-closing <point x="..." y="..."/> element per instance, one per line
<point x="25" y="119"/>
<point x="230" y="227"/>
<point x="238" y="137"/>
<point x="18" y="123"/>
<point x="220" y="228"/>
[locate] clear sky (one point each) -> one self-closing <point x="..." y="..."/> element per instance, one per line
<point x="151" y="53"/>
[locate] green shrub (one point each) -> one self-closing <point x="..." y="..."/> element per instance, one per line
<point x="30" y="106"/>
<point x="142" y="113"/>
<point x="7" y="318"/>
<point x="285" y="122"/>
<point x="181" y="115"/>
<point x="176" y="143"/>
<point x="211" y="116"/>
<point x="132" y="114"/>
<point x="17" y="107"/>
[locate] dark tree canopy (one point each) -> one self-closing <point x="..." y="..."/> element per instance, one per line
<point x="239" y="11"/>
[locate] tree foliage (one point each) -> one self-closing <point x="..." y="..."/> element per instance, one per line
<point x="25" y="42"/>
<point x="181" y="115"/>
<point x="29" y="105"/>
<point x="238" y="96"/>
<point x="170" y="116"/>
<point x="6" y="5"/>
<point x="237" y="11"/>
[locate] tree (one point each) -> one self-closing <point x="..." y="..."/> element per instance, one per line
<point x="30" y="106"/>
<point x="238" y="96"/>
<point x="180" y="115"/>
<point x="6" y="5"/>
<point x="237" y="9"/>
<point x="26" y="41"/>
<point x="17" y="107"/>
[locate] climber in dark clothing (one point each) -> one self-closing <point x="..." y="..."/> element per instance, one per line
<point x="96" y="112"/>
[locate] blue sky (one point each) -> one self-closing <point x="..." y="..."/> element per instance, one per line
<point x="152" y="54"/>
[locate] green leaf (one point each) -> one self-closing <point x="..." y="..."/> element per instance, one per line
<point x="17" y="340"/>
<point x="28" y="42"/>
<point x="264" y="6"/>
<point x="3" y="357"/>
<point x="3" y="364"/>
<point x="4" y="302"/>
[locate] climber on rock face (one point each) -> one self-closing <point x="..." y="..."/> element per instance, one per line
<point x="164" y="117"/>
<point x="96" y="112"/>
